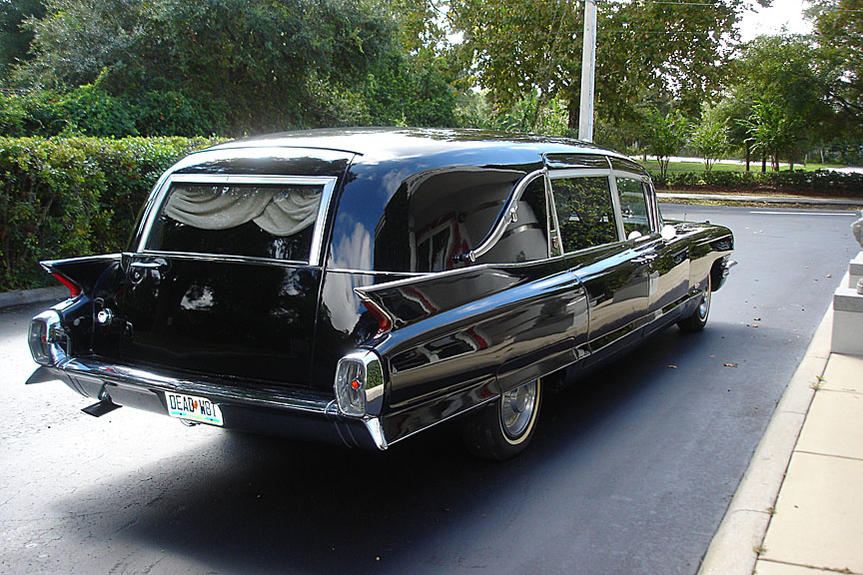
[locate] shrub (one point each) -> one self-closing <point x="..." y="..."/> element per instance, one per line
<point x="65" y="197"/>
<point x="798" y="182"/>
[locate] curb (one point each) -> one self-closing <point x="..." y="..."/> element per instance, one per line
<point x="734" y="548"/>
<point x="836" y="202"/>
<point x="29" y="296"/>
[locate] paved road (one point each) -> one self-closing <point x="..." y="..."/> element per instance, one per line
<point x="629" y="473"/>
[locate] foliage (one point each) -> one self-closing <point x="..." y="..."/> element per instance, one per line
<point x="399" y="91"/>
<point x="644" y="50"/>
<point x="70" y="197"/>
<point x="91" y="111"/>
<point x="770" y="130"/>
<point x="778" y="102"/>
<point x="797" y="182"/>
<point x="709" y="138"/>
<point x="839" y="34"/>
<point x="665" y="135"/>
<point x="14" y="41"/>
<point x="263" y="63"/>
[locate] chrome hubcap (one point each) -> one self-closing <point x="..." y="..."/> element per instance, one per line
<point x="516" y="409"/>
<point x="704" y="306"/>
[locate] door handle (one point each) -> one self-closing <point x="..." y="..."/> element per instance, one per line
<point x="138" y="270"/>
<point x="156" y="265"/>
<point x="645" y="259"/>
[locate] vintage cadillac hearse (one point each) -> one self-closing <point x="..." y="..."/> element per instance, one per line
<point x="361" y="286"/>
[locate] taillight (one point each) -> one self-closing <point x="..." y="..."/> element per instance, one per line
<point x="359" y="384"/>
<point x="74" y="289"/>
<point x="47" y="338"/>
<point x="384" y="322"/>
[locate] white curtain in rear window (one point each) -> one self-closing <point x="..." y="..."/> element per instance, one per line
<point x="279" y="211"/>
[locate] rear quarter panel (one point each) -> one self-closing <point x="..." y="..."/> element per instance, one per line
<point x="461" y="338"/>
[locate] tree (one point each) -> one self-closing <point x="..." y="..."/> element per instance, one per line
<point x="273" y="64"/>
<point x="770" y="130"/>
<point x="710" y="137"/>
<point x="665" y="135"/>
<point x="839" y="37"/>
<point x="15" y="41"/>
<point x="780" y="98"/>
<point x="650" y="49"/>
<point x="839" y="34"/>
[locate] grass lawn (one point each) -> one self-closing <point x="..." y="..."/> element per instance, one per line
<point x="653" y="167"/>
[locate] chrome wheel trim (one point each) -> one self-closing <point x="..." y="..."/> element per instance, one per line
<point x="704" y="304"/>
<point x="518" y="409"/>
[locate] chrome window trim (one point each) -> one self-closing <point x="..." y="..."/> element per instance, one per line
<point x="579" y="173"/>
<point x="507" y="215"/>
<point x="651" y="216"/>
<point x="327" y="183"/>
<point x="551" y="216"/>
<point x="615" y="206"/>
<point x="654" y="203"/>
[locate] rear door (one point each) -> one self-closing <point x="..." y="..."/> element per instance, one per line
<point x="226" y="279"/>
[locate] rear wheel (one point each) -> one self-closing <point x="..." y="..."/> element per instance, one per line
<point x="503" y="428"/>
<point x="698" y="319"/>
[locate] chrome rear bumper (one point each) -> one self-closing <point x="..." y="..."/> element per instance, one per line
<point x="289" y="412"/>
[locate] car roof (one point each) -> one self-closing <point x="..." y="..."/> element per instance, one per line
<point x="372" y="145"/>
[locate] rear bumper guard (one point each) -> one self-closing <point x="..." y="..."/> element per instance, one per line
<point x="287" y="412"/>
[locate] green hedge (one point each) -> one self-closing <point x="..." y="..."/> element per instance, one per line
<point x="798" y="182"/>
<point x="77" y="196"/>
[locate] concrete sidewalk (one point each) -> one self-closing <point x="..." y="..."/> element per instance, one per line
<point x="799" y="508"/>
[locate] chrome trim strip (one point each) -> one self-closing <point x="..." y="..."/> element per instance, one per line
<point x="228" y="179"/>
<point x="327" y="183"/>
<point x="579" y="173"/>
<point x="615" y="206"/>
<point x="223" y="258"/>
<point x="377" y="273"/>
<point x="506" y="215"/>
<point x="140" y="378"/>
<point x="376" y="431"/>
<point x="96" y="258"/>
<point x="447" y="418"/>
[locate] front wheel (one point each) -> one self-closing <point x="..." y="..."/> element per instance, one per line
<point x="503" y="428"/>
<point x="698" y="319"/>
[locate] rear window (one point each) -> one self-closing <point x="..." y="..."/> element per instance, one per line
<point x="264" y="221"/>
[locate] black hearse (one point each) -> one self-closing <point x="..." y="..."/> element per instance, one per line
<point x="364" y="285"/>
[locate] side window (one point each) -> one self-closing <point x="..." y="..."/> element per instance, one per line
<point x="527" y="238"/>
<point x="435" y="216"/>
<point x="584" y="212"/>
<point x="633" y="208"/>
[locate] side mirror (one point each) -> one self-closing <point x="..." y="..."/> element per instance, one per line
<point x="668" y="232"/>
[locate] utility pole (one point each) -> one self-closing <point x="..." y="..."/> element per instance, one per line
<point x="588" y="65"/>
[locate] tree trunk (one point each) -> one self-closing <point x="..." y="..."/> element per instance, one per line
<point x="748" y="157"/>
<point x="572" y="109"/>
<point x="763" y="162"/>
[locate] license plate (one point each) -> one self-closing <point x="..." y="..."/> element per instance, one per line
<point x="193" y="408"/>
